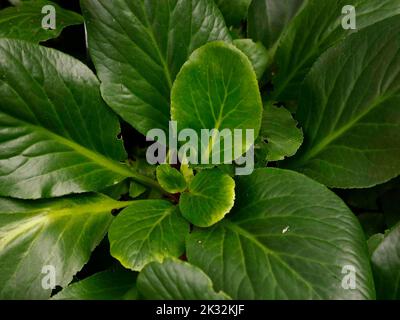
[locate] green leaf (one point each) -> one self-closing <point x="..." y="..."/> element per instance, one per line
<point x="170" y="179"/>
<point x="106" y="285"/>
<point x="349" y="111"/>
<point x="146" y="231"/>
<point x="136" y="189"/>
<point x="257" y="54"/>
<point x="374" y="241"/>
<point x="391" y="206"/>
<point x="60" y="233"/>
<point x="316" y="28"/>
<point x="138" y="48"/>
<point x="372" y="223"/>
<point x="268" y="18"/>
<point x="287" y="237"/>
<point x="386" y="266"/>
<point x="210" y="197"/>
<point x="176" y="280"/>
<point x="209" y="94"/>
<point x="25" y="21"/>
<point x="280" y="133"/>
<point x="57" y="136"/>
<point x="234" y="11"/>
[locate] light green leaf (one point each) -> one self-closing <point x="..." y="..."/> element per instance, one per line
<point x="170" y="179"/>
<point x="25" y="21"/>
<point x="106" y="285"/>
<point x="234" y="11"/>
<point x="209" y="94"/>
<point x="146" y="231"/>
<point x="39" y="237"/>
<point x="138" y="48"/>
<point x="257" y="54"/>
<point x="210" y="197"/>
<point x="176" y="280"/>
<point x="287" y="237"/>
<point x="349" y="111"/>
<point x="316" y="28"/>
<point x="57" y="136"/>
<point x="279" y="131"/>
<point x="268" y="18"/>
<point x="386" y="266"/>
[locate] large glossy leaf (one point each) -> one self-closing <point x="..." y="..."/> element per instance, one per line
<point x="57" y="136"/>
<point x="317" y="27"/>
<point x="287" y="237"/>
<point x="146" y="231"/>
<point x="349" y="111"/>
<point x="176" y="280"/>
<point x="106" y="285"/>
<point x="40" y="237"/>
<point x="268" y="18"/>
<point x="210" y="197"/>
<point x="234" y="11"/>
<point x="138" y="48"/>
<point x="386" y="266"/>
<point x="217" y="89"/>
<point x="280" y="134"/>
<point x="25" y="21"/>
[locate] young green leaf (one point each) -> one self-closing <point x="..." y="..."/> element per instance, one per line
<point x="170" y="179"/>
<point x="176" y="280"/>
<point x="349" y="111"/>
<point x="138" y="48"/>
<point x="257" y="54"/>
<point x="316" y="28"/>
<point x="288" y="237"/>
<point x="43" y="239"/>
<point x="279" y="133"/>
<point x="210" y="197"/>
<point x="386" y="266"/>
<point x="146" y="231"/>
<point x="234" y="11"/>
<point x="106" y="285"/>
<point x="57" y="135"/>
<point x="268" y="18"/>
<point x="25" y="21"/>
<point x="217" y="89"/>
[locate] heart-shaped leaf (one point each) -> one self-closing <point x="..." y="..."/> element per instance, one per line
<point x="386" y="265"/>
<point x="209" y="94"/>
<point x="349" y="111"/>
<point x="176" y="280"/>
<point x="25" y="21"/>
<point x="210" y="197"/>
<point x="288" y="237"/>
<point x="139" y="46"/>
<point x="57" y="135"/>
<point x="106" y="285"/>
<point x="43" y="239"/>
<point x="170" y="179"/>
<point x="316" y="28"/>
<point x="146" y="231"/>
